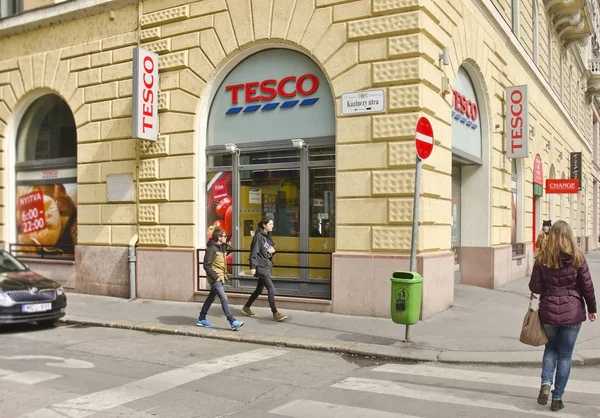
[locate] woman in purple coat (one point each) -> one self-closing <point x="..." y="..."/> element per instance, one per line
<point x="562" y="279"/>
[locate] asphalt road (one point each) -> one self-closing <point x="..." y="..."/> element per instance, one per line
<point x="104" y="372"/>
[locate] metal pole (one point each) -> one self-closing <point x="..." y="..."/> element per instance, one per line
<point x="415" y="229"/>
<point x="305" y="218"/>
<point x="235" y="218"/>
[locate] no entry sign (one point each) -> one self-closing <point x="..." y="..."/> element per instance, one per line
<point x="424" y="138"/>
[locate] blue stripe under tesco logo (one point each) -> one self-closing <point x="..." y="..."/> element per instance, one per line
<point x="267" y="90"/>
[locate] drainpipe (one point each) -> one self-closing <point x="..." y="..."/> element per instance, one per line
<point x="132" y="262"/>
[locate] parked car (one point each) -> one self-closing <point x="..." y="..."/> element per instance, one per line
<point x="26" y="296"/>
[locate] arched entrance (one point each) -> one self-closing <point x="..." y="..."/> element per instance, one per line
<point x="270" y="148"/>
<point x="45" y="179"/>
<point x="471" y="197"/>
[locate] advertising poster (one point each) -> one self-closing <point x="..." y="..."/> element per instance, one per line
<point x="47" y="219"/>
<point x="219" y="208"/>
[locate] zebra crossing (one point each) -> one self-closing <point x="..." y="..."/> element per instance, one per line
<point x="383" y="391"/>
<point x="451" y="390"/>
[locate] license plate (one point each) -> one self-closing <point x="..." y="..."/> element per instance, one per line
<point x="37" y="307"/>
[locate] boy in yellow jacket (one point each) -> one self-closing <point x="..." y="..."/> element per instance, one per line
<point x="215" y="265"/>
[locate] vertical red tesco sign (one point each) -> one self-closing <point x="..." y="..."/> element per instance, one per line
<point x="517" y="122"/>
<point x="145" y="94"/>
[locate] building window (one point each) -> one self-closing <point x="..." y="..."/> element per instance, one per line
<point x="515" y="17"/>
<point x="550" y="55"/>
<point x="518" y="249"/>
<point x="571" y="91"/>
<point x="534" y="11"/>
<point x="562" y="77"/>
<point x="10" y="7"/>
<point x="46" y="180"/>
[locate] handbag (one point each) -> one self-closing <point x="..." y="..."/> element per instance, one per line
<point x="532" y="332"/>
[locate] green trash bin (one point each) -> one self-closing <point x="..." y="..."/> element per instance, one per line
<point x="407" y="287"/>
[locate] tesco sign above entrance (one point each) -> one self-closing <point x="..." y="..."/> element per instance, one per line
<point x="286" y="88"/>
<point x="271" y="95"/>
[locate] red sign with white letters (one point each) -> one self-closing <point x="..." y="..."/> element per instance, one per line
<point x="267" y="90"/>
<point x="562" y="186"/>
<point x="31" y="212"/>
<point x="538" y="173"/>
<point x="219" y="189"/>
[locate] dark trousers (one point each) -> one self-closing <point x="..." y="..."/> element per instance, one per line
<point x="264" y="280"/>
<point x="216" y="289"/>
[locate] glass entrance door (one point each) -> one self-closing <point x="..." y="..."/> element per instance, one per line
<point x="294" y="187"/>
<point x="456" y="220"/>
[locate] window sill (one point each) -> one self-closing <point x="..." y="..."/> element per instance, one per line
<point x="45" y="260"/>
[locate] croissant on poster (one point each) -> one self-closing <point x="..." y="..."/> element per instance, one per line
<point x="55" y="227"/>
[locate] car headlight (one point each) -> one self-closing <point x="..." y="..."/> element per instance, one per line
<point x="60" y="291"/>
<point x="5" y="300"/>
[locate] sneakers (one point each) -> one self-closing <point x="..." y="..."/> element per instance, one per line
<point x="247" y="311"/>
<point x="543" y="396"/>
<point x="235" y="325"/>
<point x="557" y="405"/>
<point x="278" y="316"/>
<point x="204" y="323"/>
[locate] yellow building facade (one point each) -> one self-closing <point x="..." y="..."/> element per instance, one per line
<point x="450" y="61"/>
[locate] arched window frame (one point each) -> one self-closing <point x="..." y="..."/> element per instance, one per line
<point x="45" y="168"/>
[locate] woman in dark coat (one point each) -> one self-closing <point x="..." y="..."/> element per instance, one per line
<point x="562" y="279"/>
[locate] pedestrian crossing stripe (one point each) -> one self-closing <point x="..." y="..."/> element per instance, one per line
<point x="103" y="400"/>
<point x="30" y="377"/>
<point x="302" y="408"/>
<point x="580" y="386"/>
<point x="419" y="392"/>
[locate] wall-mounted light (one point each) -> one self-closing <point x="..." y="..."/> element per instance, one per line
<point x="548" y="145"/>
<point x="299" y="143"/>
<point x="560" y="155"/>
<point x="532" y="131"/>
<point x="445" y="56"/>
<point x="232" y="148"/>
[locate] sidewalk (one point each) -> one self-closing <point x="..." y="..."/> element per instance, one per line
<point x="482" y="327"/>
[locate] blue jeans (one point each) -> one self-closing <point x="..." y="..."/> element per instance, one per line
<point x="216" y="289"/>
<point x="557" y="356"/>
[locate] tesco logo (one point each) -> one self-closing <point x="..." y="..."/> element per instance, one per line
<point x="517" y="122"/>
<point x="465" y="106"/>
<point x="145" y="94"/>
<point x="268" y="90"/>
<point x="465" y="111"/>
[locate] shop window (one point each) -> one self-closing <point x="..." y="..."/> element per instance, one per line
<point x="46" y="180"/>
<point x="518" y="249"/>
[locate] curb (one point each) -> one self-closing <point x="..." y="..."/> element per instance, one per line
<point x="411" y="352"/>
